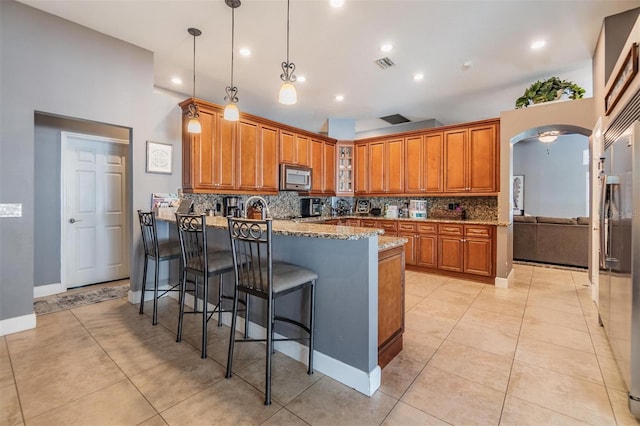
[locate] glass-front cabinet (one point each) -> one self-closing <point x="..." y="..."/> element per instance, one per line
<point x="344" y="159"/>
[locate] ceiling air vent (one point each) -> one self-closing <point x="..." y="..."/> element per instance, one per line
<point x="385" y="63"/>
<point x="395" y="119"/>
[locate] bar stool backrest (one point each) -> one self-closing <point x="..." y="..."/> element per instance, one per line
<point x="251" y="248"/>
<point x="193" y="241"/>
<point x="149" y="233"/>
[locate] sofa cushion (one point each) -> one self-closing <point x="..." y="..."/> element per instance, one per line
<point x="525" y="219"/>
<point x="583" y="220"/>
<point x="557" y="220"/>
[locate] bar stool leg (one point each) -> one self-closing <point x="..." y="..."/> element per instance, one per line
<point x="220" y="287"/>
<point x="246" y="315"/>
<point x="269" y="348"/>
<point x="155" y="292"/>
<point x="144" y="284"/>
<point x="205" y="292"/>
<point x="183" y="291"/>
<point x="312" y="310"/>
<point x="232" y="339"/>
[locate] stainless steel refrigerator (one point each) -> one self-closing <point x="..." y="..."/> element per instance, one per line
<point x="619" y="290"/>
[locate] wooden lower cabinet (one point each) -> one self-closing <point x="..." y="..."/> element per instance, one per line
<point x="390" y="303"/>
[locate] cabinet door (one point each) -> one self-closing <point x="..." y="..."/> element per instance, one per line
<point x="432" y="164"/>
<point x="202" y="162"/>
<point x="427" y="250"/>
<point x="477" y="256"/>
<point x="329" y="187"/>
<point x="390" y="296"/>
<point x="409" y="247"/>
<point x="414" y="165"/>
<point x="455" y="145"/>
<point x="288" y="152"/>
<point x="376" y="167"/>
<point x="302" y="149"/>
<point x="394" y="166"/>
<point x="482" y="154"/>
<point x="248" y="155"/>
<point x="361" y="169"/>
<point x="268" y="159"/>
<point x="450" y="253"/>
<point x="317" y="159"/>
<point x="352" y="222"/>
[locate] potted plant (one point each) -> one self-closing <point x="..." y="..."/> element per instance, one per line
<point x="549" y="90"/>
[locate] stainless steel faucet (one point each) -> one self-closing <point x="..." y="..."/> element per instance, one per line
<point x="265" y="207"/>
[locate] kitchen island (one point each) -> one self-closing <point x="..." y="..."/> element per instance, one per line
<point x="347" y="306"/>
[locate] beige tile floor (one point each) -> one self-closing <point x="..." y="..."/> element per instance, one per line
<point x="474" y="354"/>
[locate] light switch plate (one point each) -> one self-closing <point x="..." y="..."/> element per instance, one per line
<point x="11" y="210"/>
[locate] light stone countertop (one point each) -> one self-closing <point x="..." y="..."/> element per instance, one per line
<point x="298" y="229"/>
<point x="386" y="242"/>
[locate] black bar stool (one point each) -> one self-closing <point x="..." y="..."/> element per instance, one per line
<point x="256" y="274"/>
<point x="157" y="251"/>
<point x="202" y="263"/>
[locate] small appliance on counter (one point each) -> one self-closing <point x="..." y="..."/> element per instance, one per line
<point x="231" y="206"/>
<point x="310" y="207"/>
<point x="363" y="207"/>
<point x="392" y="212"/>
<point x="418" y="209"/>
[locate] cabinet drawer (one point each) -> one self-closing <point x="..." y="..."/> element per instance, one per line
<point x="387" y="225"/>
<point x="368" y="223"/>
<point x="477" y="231"/>
<point x="406" y="226"/>
<point x="450" y="229"/>
<point x="425" y="228"/>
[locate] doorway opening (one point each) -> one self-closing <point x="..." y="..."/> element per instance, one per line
<point x="105" y="146"/>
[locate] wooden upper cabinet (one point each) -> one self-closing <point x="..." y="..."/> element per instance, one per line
<point x="376" y="167"/>
<point x="394" y="166"/>
<point x="423" y="164"/>
<point x="483" y="158"/>
<point x="248" y="154"/>
<point x="268" y="158"/>
<point x="243" y="157"/>
<point x="361" y="157"/>
<point x="209" y="158"/>
<point x="471" y="159"/>
<point x="317" y="160"/>
<point x="323" y="164"/>
<point x="294" y="149"/>
<point x="329" y="169"/>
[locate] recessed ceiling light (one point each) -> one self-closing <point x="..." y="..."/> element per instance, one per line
<point x="301" y="78"/>
<point x="387" y="47"/>
<point x="176" y="80"/>
<point x="339" y="98"/>
<point x="467" y="65"/>
<point x="245" y="51"/>
<point x="538" y="44"/>
<point x="336" y="3"/>
<point x="418" y="76"/>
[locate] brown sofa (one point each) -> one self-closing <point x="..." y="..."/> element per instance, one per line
<point x="562" y="241"/>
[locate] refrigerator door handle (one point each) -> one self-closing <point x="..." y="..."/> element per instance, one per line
<point x="603" y="231"/>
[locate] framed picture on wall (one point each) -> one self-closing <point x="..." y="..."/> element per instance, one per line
<point x="517" y="186"/>
<point x="159" y="157"/>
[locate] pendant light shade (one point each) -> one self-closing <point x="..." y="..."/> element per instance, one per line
<point x="288" y="95"/>
<point x="231" y="112"/>
<point x="193" y="126"/>
<point x="548" y="137"/>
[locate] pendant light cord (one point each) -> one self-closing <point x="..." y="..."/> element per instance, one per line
<point x="194" y="65"/>
<point x="288" y="3"/>
<point x="233" y="26"/>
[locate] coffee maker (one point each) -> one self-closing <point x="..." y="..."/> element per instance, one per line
<point x="231" y="207"/>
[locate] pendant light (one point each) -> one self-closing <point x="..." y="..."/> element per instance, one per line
<point x="288" y="95"/>
<point x="194" y="124"/>
<point x="231" y="112"/>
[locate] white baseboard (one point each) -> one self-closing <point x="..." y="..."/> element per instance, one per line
<point x="363" y="382"/>
<point x="504" y="282"/>
<point x="47" y="290"/>
<point x="134" y="296"/>
<point x="16" y="324"/>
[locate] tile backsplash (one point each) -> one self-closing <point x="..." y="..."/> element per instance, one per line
<point x="286" y="204"/>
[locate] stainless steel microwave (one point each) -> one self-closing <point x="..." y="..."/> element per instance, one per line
<point x="295" y="178"/>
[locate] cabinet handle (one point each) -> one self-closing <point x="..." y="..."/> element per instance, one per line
<point x="451" y="229"/>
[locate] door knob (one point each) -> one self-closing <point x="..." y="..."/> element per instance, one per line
<point x="72" y="220"/>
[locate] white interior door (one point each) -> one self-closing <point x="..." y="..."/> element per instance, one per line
<point x="94" y="210"/>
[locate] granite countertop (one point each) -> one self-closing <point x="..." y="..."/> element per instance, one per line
<point x="298" y="229"/>
<point x="408" y="219"/>
<point x="385" y="242"/>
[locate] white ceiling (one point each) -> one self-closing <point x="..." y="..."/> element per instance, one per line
<point x="336" y="49"/>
